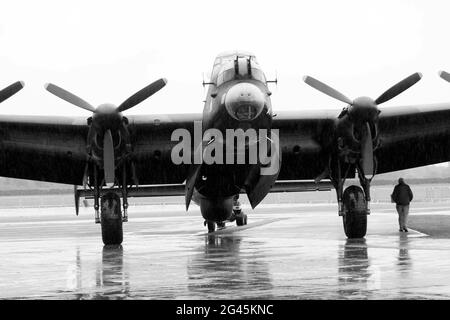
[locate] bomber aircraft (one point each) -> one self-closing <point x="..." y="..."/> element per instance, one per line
<point x="237" y="145"/>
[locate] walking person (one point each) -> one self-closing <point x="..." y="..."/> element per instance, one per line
<point x="402" y="196"/>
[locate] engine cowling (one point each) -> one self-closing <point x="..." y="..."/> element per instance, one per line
<point x="349" y="135"/>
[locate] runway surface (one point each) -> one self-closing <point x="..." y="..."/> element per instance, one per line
<point x="285" y="252"/>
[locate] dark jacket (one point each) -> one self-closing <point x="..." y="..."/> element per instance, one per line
<point x="402" y="194"/>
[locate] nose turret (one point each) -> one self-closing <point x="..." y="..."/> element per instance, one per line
<point x="244" y="101"/>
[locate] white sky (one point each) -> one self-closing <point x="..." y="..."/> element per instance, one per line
<point x="104" y="51"/>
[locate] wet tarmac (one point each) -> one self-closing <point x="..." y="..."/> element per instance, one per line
<point x="285" y="252"/>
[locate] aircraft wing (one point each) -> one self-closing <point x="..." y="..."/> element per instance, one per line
<point x="413" y="136"/>
<point x="53" y="149"/>
<point x="410" y="136"/>
<point x="302" y="136"/>
<point x="152" y="146"/>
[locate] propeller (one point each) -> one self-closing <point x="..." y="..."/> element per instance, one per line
<point x="363" y="111"/>
<point x="444" y="75"/>
<point x="329" y="91"/>
<point x="69" y="97"/>
<point x="11" y="90"/>
<point x="132" y="101"/>
<point x="142" y="94"/>
<point x="398" y="88"/>
<point x="107" y="118"/>
<point x="108" y="157"/>
<point x="365" y="102"/>
<point x="367" y="150"/>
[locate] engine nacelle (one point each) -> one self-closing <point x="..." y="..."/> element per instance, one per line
<point x="348" y="135"/>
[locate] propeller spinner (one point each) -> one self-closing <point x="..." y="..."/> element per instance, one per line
<point x="107" y="117"/>
<point x="364" y="111"/>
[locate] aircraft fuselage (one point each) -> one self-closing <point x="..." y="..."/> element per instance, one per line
<point x="238" y="98"/>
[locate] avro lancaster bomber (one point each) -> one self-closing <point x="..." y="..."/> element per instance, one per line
<point x="237" y="146"/>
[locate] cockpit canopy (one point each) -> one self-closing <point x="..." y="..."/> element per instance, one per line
<point x="237" y="66"/>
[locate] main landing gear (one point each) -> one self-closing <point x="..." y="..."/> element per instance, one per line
<point x="108" y="212"/>
<point x="111" y="219"/>
<point x="355" y="212"/>
<point x="353" y="203"/>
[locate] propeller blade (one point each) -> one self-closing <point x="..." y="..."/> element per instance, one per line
<point x="367" y="151"/>
<point x="444" y="75"/>
<point x="399" y="88"/>
<point x="77" y="199"/>
<point x="69" y="97"/>
<point x="322" y="87"/>
<point x="142" y="94"/>
<point x="108" y="158"/>
<point x="11" y="90"/>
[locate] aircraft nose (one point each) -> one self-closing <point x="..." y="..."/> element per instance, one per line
<point x="244" y="101"/>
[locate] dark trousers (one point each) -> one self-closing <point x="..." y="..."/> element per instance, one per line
<point x="402" y="215"/>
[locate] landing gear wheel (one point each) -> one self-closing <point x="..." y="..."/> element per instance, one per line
<point x="211" y="226"/>
<point x="355" y="215"/>
<point x="111" y="219"/>
<point x="241" y="219"/>
<point x="221" y="225"/>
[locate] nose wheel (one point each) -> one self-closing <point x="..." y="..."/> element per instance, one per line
<point x="241" y="218"/>
<point x="238" y="214"/>
<point x="212" y="225"/>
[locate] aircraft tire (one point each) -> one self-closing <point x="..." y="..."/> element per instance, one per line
<point x="211" y="226"/>
<point x="355" y="216"/>
<point x="111" y="219"/>
<point x="241" y="219"/>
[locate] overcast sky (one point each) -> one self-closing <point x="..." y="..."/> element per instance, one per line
<point x="104" y="51"/>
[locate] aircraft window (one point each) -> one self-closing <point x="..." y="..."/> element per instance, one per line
<point x="243" y="66"/>
<point x="228" y="73"/>
<point x="220" y="79"/>
<point x="225" y="76"/>
<point x="257" y="74"/>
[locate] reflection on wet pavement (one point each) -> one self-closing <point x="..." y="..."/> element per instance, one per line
<point x="404" y="260"/>
<point x="354" y="271"/>
<point x="297" y="252"/>
<point x="224" y="264"/>
<point x="111" y="279"/>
